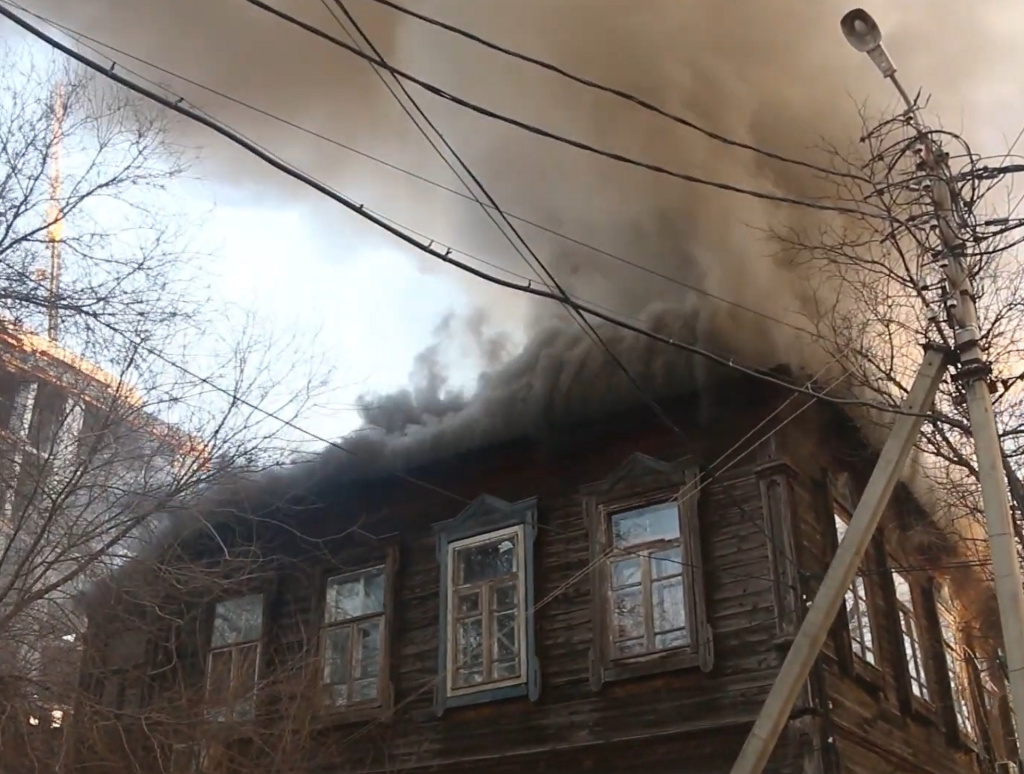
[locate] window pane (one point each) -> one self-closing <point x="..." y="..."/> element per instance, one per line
<point x="631" y="647"/>
<point x="506" y="645"/>
<point x="337" y="654"/>
<point x="237" y="620"/>
<point x="667" y="563"/>
<point x="350" y="596"/>
<point x="364" y="690"/>
<point x="669" y="607"/>
<point x="246" y="668"/>
<point x="626" y="572"/>
<point x="850" y="602"/>
<point x="912" y="648"/>
<point x="369" y="649"/>
<point x="628" y="612"/>
<point x="948" y="630"/>
<point x="903" y="593"/>
<point x="644" y="525"/>
<point x="506" y="669"/>
<point x="218" y="680"/>
<point x="841" y="527"/>
<point x="468" y="676"/>
<point x="506" y="597"/>
<point x="469" y="645"/>
<point x="469" y="652"/>
<point x="245" y="709"/>
<point x="338" y="694"/>
<point x="676" y="639"/>
<point x="485" y="561"/>
<point x="468" y="604"/>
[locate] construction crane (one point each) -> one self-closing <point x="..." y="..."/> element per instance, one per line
<point x="55" y="216"/>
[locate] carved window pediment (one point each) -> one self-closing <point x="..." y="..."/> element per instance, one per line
<point x="637" y="473"/>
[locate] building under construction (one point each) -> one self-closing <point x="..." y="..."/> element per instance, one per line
<point x="76" y="446"/>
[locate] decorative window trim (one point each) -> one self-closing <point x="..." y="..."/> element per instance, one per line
<point x="485" y="517"/>
<point x="385" y="553"/>
<point x="775" y="476"/>
<point x="639" y="481"/>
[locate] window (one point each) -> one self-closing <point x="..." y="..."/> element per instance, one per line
<point x="648" y="607"/>
<point x="858" y="612"/>
<point x="647" y="585"/>
<point x="911" y="636"/>
<point x="956" y="661"/>
<point x="485" y="589"/>
<point x="352" y="640"/>
<point x="487" y="646"/>
<point x="124" y="671"/>
<point x="233" y="661"/>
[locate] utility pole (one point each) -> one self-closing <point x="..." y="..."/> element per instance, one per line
<point x="973" y="374"/>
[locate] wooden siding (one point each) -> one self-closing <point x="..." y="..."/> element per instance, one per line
<point x="878" y="726"/>
<point x="690" y="719"/>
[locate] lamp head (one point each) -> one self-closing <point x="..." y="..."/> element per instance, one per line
<point x="861" y="30"/>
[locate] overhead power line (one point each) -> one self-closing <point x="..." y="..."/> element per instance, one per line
<point x="621" y="94"/>
<point x="516" y="239"/>
<point x="270" y="159"/>
<point x="541" y="132"/>
<point x="81" y="37"/>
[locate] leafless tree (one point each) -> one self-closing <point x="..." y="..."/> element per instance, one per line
<point x="169" y="689"/>
<point x="105" y="433"/>
<point x="880" y="297"/>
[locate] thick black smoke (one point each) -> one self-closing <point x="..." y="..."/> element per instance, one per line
<point x="773" y="73"/>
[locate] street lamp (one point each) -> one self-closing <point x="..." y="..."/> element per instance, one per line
<point x="863" y="33"/>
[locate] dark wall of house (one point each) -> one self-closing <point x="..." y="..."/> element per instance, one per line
<point x="757" y="563"/>
<point x="877" y="724"/>
<point x="705" y="708"/>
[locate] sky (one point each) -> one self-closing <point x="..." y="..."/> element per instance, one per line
<point x="369" y="303"/>
<point x="312" y="269"/>
<point x="315" y="273"/>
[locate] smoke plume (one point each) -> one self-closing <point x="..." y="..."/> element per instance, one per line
<point x="773" y="73"/>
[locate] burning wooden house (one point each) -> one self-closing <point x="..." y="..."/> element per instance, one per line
<point x="610" y="595"/>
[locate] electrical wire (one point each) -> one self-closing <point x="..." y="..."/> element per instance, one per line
<point x="228" y="133"/>
<point x="562" y="139"/>
<point x="578" y="317"/>
<point x="433" y="680"/>
<point x="81" y="36"/>
<point x="623" y="95"/>
<point x="672" y="426"/>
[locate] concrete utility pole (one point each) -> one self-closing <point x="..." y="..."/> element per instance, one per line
<point x="973" y="374"/>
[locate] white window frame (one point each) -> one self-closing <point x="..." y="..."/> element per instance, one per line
<point x="916" y="665"/>
<point x="519" y="532"/>
<point x="856" y="603"/>
<point x="352" y="624"/>
<point x="230" y="712"/>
